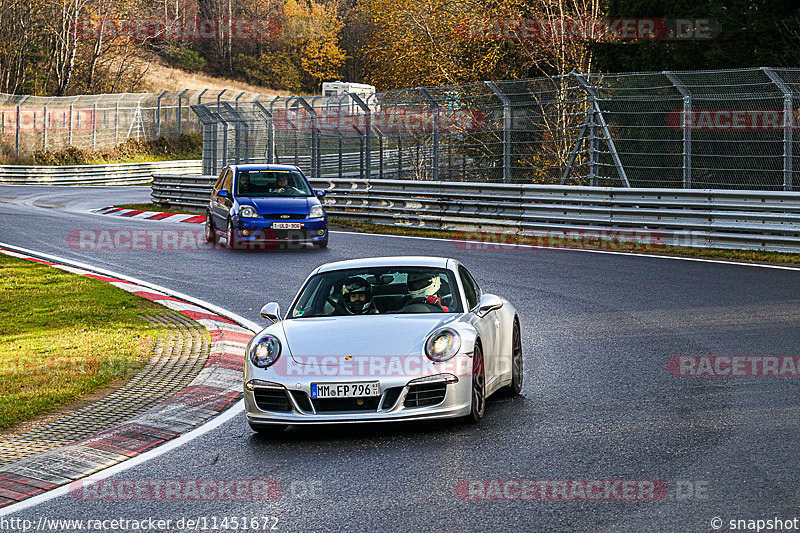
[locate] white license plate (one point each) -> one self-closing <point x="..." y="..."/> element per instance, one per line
<point x="286" y="225"/>
<point x="345" y="390"/>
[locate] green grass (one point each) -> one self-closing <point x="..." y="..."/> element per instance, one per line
<point x="709" y="253"/>
<point x="64" y="336"/>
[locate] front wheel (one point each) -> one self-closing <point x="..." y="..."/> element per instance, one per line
<point x="321" y="244"/>
<point x="230" y="236"/>
<point x="478" y="387"/>
<point x="515" y="387"/>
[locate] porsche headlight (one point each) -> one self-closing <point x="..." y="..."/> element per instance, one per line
<point x="248" y="212"/>
<point x="316" y="212"/>
<point x="442" y="345"/>
<point x="265" y="351"/>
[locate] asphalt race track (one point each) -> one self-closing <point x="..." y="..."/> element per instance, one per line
<point x="598" y="401"/>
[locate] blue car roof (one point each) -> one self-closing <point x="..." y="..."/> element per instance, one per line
<point x="265" y="167"/>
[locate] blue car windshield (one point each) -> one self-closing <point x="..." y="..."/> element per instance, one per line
<point x="272" y="183"/>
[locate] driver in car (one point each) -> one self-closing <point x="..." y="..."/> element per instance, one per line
<point x="357" y="296"/>
<point x="423" y="288"/>
<point x="282" y="184"/>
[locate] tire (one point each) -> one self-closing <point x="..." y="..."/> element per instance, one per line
<point x="268" y="429"/>
<point x="230" y="237"/>
<point x="211" y="233"/>
<point x="478" y="404"/>
<point x="515" y="387"/>
<point x="321" y="244"/>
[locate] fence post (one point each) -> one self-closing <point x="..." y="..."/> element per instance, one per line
<point x="506" y="130"/>
<point x="44" y="126"/>
<point x="237" y="121"/>
<point x="116" y="122"/>
<point x="224" y="143"/>
<point x="69" y="130"/>
<point x="219" y="96"/>
<point x="594" y="146"/>
<point x="787" y="127"/>
<point x="435" y="158"/>
<point x="158" y="113"/>
<point x="138" y="115"/>
<point x="200" y="101"/>
<point x="180" y="111"/>
<point x="272" y="131"/>
<point x="339" y="132"/>
<point x="268" y="122"/>
<point x="598" y="121"/>
<point x="94" y="125"/>
<point x="366" y="135"/>
<point x="294" y="131"/>
<point x="16" y="132"/>
<point x="316" y="143"/>
<point x="380" y="153"/>
<point x="686" y="125"/>
<point x="314" y="160"/>
<point x="236" y="100"/>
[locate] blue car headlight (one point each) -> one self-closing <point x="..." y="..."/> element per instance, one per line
<point x="442" y="345"/>
<point x="316" y="212"/>
<point x="265" y="351"/>
<point x="248" y="212"/>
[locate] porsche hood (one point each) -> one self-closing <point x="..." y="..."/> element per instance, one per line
<point x="385" y="336"/>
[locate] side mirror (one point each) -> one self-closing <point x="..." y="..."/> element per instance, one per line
<point x="272" y="312"/>
<point x="320" y="193"/>
<point x="488" y="303"/>
<point x="222" y="193"/>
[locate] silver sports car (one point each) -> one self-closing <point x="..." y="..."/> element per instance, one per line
<point x="379" y="340"/>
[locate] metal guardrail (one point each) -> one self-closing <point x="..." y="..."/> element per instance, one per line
<point x="112" y="174"/>
<point x="758" y="220"/>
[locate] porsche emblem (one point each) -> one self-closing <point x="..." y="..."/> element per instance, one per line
<point x="348" y="357"/>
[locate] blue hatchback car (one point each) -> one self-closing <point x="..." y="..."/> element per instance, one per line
<point x="253" y="206"/>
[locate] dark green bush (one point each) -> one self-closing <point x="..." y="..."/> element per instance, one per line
<point x="183" y="58"/>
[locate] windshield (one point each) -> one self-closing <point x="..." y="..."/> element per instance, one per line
<point x="385" y="290"/>
<point x="271" y="183"/>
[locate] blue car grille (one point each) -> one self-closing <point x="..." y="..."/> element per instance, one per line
<point x="285" y="216"/>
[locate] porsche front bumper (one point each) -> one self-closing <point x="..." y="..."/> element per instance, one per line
<point x="400" y="400"/>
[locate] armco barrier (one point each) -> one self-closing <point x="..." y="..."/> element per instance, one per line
<point x="754" y="220"/>
<point x="112" y="174"/>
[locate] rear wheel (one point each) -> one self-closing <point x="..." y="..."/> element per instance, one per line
<point x="478" y="387"/>
<point x="211" y="233"/>
<point x="268" y="429"/>
<point x="515" y="387"/>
